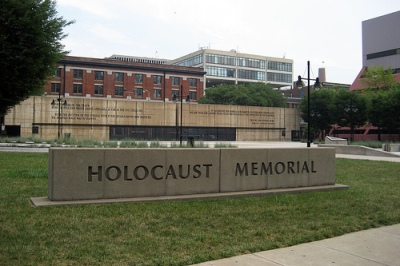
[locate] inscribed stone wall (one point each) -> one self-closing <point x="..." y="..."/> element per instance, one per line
<point x="92" y="117"/>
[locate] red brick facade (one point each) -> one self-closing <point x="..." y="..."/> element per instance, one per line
<point x="84" y="77"/>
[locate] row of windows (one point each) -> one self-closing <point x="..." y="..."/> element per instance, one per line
<point x="280" y="66"/>
<point x="279" y="77"/>
<point x="250" y="74"/>
<point x="221" y="72"/>
<point x="247" y="62"/>
<point x="119" y="77"/>
<point x="119" y="91"/>
<point x="192" y="61"/>
<point x="220" y="59"/>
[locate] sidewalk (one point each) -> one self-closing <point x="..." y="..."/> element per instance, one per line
<point x="378" y="246"/>
<point x="373" y="247"/>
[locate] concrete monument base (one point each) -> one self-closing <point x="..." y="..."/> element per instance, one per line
<point x="44" y="201"/>
<point x="116" y="175"/>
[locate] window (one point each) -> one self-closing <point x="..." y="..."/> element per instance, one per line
<point x="192" y="61"/>
<point x="280" y="66"/>
<point x="221" y="72"/>
<point x="138" y="78"/>
<point x="175" y="81"/>
<point x="99" y="75"/>
<point x="119" y="77"/>
<point x="119" y="91"/>
<point x="78" y="73"/>
<point x="279" y="77"/>
<point x="157" y="79"/>
<point x="57" y="73"/>
<point x="220" y="59"/>
<point x="192" y="95"/>
<point x="98" y="89"/>
<point x="193" y="82"/>
<point x="157" y="93"/>
<point x="250" y="74"/>
<point x="138" y="92"/>
<point x="77" y="88"/>
<point x="250" y="62"/>
<point x="55" y="87"/>
<point x="175" y="95"/>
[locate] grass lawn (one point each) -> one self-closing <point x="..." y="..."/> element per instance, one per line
<point x="183" y="232"/>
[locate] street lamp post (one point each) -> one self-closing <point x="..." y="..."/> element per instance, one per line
<point x="317" y="86"/>
<point x="53" y="103"/>
<point x="181" y="111"/>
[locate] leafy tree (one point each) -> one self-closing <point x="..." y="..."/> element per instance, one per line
<point x="377" y="77"/>
<point x="349" y="110"/>
<point x="382" y="109"/>
<point x="253" y="94"/>
<point x="30" y="35"/>
<point x="321" y="110"/>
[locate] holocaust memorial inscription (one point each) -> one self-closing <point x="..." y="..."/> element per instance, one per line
<point x="90" y="174"/>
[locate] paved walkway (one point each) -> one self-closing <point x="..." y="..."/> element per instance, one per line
<point x="379" y="246"/>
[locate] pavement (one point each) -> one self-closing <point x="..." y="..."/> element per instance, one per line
<point x="378" y="246"/>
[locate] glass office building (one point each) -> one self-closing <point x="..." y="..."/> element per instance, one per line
<point x="233" y="67"/>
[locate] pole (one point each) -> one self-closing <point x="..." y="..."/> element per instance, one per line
<point x="59" y="115"/>
<point x="308" y="106"/>
<point x="180" y="136"/>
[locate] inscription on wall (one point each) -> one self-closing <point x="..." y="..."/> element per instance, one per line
<point x="85" y="112"/>
<point x="268" y="118"/>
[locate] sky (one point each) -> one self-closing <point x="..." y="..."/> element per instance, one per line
<point x="326" y="33"/>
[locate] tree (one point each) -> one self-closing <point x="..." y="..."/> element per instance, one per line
<point x="30" y="45"/>
<point x="378" y="78"/>
<point x="253" y="94"/>
<point x="321" y="110"/>
<point x="349" y="110"/>
<point x="382" y="109"/>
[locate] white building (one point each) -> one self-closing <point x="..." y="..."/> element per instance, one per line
<point x="235" y="68"/>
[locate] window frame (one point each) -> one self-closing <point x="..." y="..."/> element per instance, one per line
<point x="96" y="87"/>
<point x="120" y="90"/>
<point x="119" y="76"/>
<point x="96" y="73"/>
<point x="176" y="81"/>
<point x="138" y="92"/>
<point x="157" y="79"/>
<point x="155" y="94"/>
<point x="54" y="88"/>
<point x="77" y="86"/>
<point x="191" y="80"/>
<point x="139" y="78"/>
<point x="78" y="73"/>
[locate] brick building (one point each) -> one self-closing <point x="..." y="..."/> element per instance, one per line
<point x="108" y="78"/>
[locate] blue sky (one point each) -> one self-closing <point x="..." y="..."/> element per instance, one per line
<point x="328" y="33"/>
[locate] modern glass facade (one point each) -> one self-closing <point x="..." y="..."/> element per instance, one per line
<point x="239" y="68"/>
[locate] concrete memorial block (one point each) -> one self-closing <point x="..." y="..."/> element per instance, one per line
<point x="99" y="174"/>
<point x="289" y="167"/>
<point x="79" y="174"/>
<point x="68" y="174"/>
<point x="241" y="169"/>
<point x="259" y="169"/>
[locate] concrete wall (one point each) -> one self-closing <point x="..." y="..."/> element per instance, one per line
<point x="91" y="117"/>
<point x="78" y="174"/>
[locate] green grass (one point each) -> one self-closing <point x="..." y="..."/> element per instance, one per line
<point x="183" y="232"/>
<point x="371" y="143"/>
<point x="224" y="145"/>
